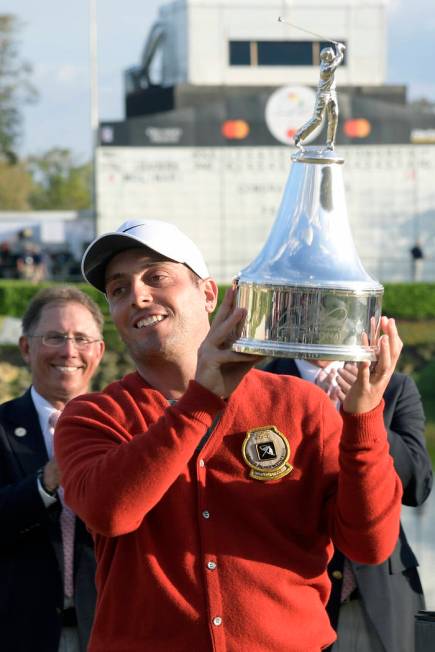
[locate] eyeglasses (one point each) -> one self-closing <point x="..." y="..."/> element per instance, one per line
<point x="56" y="340"/>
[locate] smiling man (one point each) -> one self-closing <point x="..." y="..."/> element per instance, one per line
<point x="47" y="588"/>
<point x="215" y="491"/>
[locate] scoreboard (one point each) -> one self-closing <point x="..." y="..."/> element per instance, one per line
<point x="226" y="199"/>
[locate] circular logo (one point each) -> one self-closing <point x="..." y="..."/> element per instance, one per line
<point x="287" y="109"/>
<point x="266" y="451"/>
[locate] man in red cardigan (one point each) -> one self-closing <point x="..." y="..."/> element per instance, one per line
<point x="215" y="491"/>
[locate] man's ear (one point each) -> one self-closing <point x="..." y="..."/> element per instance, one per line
<point x="24" y="346"/>
<point x="102" y="348"/>
<point x="210" y="290"/>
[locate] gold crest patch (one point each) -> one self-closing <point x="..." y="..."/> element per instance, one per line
<point x="266" y="451"/>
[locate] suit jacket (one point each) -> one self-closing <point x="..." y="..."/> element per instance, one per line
<point x="31" y="557"/>
<point x="391" y="592"/>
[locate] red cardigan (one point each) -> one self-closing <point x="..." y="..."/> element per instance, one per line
<point x="195" y="555"/>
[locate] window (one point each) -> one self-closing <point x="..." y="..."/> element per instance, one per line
<point x="277" y="53"/>
<point x="285" y="53"/>
<point x="240" y="53"/>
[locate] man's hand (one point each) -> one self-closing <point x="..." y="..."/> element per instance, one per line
<point x="220" y="369"/>
<point x="51" y="478"/>
<point x="364" y="392"/>
<point x="348" y="375"/>
<point x="329" y="386"/>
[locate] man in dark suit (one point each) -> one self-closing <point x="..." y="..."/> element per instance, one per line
<point x="387" y="596"/>
<point x="47" y="565"/>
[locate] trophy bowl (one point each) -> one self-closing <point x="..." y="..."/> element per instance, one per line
<point x="307" y="294"/>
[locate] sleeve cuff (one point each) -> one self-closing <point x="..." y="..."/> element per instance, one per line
<point x="47" y="499"/>
<point x="364" y="428"/>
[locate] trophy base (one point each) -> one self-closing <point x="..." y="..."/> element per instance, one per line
<point x="305" y="351"/>
<point x="318" y="323"/>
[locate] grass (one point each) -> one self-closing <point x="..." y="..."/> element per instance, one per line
<point x="429" y="409"/>
<point x="418" y="359"/>
<point x="414" y="333"/>
<point x="430" y="440"/>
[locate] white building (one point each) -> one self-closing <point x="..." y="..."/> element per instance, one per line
<point x="241" y="42"/>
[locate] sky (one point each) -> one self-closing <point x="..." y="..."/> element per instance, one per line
<point x="55" y="40"/>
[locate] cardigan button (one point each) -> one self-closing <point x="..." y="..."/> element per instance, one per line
<point x="201" y="463"/>
<point x="211" y="565"/>
<point x="206" y="514"/>
<point x="337" y="575"/>
<point x="217" y="620"/>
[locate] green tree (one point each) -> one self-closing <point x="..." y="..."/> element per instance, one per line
<point x="60" y="182"/>
<point x="15" y="187"/>
<point x="15" y="87"/>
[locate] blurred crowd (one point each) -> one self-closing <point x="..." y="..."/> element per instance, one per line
<point x="23" y="258"/>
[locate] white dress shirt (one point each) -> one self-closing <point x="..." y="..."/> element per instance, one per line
<point x="44" y="410"/>
<point x="309" y="371"/>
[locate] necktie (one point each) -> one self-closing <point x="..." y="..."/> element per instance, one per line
<point x="349" y="583"/>
<point x="326" y="381"/>
<point x="67" y="525"/>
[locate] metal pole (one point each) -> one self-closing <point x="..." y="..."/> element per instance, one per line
<point x="93" y="104"/>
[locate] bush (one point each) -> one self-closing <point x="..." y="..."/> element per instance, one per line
<point x="16" y="294"/>
<point x="409" y="300"/>
<point x="401" y="300"/>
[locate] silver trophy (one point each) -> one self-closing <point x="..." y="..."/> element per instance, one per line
<point x="307" y="294"/>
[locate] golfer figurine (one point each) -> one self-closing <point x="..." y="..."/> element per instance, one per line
<point x="326" y="97"/>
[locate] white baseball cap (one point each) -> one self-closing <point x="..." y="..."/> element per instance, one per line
<point x="162" y="237"/>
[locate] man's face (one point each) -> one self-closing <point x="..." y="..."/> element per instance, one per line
<point x="157" y="306"/>
<point x="62" y="373"/>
